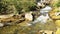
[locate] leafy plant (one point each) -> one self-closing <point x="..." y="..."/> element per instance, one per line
<point x="56" y="4"/>
<point x="19" y="5"/>
<point x="7" y="7"/>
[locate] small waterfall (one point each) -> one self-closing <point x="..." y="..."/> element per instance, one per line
<point x="43" y="17"/>
<point x="44" y="14"/>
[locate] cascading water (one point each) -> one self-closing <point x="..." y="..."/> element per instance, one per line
<point x="43" y="17"/>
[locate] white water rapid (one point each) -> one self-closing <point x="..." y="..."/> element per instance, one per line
<point x="43" y="17"/>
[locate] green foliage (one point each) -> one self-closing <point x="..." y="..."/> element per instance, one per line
<point x="57" y="4"/>
<point x="24" y="4"/>
<point x="6" y="5"/>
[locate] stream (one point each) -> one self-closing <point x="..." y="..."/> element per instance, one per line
<point x="43" y="16"/>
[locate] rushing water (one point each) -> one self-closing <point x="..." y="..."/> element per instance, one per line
<point x="44" y="15"/>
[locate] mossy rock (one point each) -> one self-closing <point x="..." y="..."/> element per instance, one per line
<point x="55" y="14"/>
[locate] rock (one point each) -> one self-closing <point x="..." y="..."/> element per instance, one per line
<point x="57" y="22"/>
<point x="44" y="1"/>
<point x="28" y="16"/>
<point x="58" y="31"/>
<point x="46" y="32"/>
<point x="55" y="14"/>
<point x="7" y="24"/>
<point x="6" y="16"/>
<point x="40" y="4"/>
<point x="1" y="24"/>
